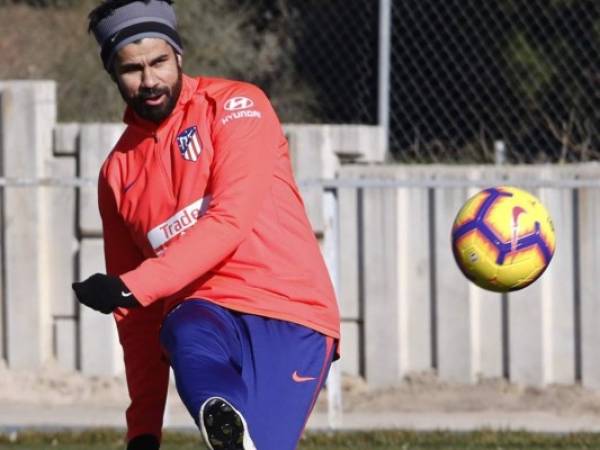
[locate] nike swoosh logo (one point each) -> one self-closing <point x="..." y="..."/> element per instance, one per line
<point x="300" y="379"/>
<point x="126" y="294"/>
<point x="516" y="212"/>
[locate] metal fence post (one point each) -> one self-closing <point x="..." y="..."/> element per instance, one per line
<point x="385" y="56"/>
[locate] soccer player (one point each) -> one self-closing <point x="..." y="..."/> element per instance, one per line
<point x="212" y="265"/>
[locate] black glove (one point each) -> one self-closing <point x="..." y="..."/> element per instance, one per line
<point x="104" y="293"/>
<point x="144" y="442"/>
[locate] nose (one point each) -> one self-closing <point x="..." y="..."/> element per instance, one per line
<point x="149" y="79"/>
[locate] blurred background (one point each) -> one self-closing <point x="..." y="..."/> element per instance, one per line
<point x="396" y="112"/>
<point x="460" y="74"/>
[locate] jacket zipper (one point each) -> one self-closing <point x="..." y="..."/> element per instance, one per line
<point x="166" y="178"/>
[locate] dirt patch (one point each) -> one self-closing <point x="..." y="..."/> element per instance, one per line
<point x="416" y="393"/>
<point x="425" y="393"/>
<point x="55" y="386"/>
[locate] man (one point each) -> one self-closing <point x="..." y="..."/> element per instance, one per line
<point x="211" y="263"/>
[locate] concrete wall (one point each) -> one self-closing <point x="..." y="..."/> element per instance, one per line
<point x="27" y="114"/>
<point x="405" y="306"/>
<point x="420" y="313"/>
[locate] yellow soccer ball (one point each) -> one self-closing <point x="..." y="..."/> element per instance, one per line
<point x="503" y="239"/>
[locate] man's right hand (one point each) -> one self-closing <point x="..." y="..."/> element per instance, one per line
<point x="104" y="293"/>
<point x="144" y="442"/>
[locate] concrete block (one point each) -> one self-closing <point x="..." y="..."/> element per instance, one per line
<point x="557" y="286"/>
<point x="65" y="343"/>
<point x="61" y="238"/>
<point x="385" y="336"/>
<point x="66" y="136"/>
<point x="589" y="248"/>
<point x="350" y="361"/>
<point x="329" y="243"/>
<point x="95" y="143"/>
<point x="101" y="352"/>
<point x="27" y="303"/>
<point x="528" y="351"/>
<point x="456" y="321"/>
<point x="541" y="315"/>
<point x="364" y="143"/>
<point x="487" y="343"/>
<point x="414" y="276"/>
<point x="350" y="264"/>
<point x="397" y="276"/>
<point x="28" y="116"/>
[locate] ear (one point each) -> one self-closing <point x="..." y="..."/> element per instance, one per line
<point x="179" y="60"/>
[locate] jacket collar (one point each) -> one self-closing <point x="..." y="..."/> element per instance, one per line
<point x="189" y="86"/>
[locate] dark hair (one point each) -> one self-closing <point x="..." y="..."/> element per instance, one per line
<point x="107" y="7"/>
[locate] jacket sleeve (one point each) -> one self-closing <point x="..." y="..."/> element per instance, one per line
<point x="146" y="370"/>
<point x="245" y="153"/>
<point x="120" y="252"/>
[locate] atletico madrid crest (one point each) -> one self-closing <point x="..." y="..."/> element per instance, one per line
<point x="189" y="144"/>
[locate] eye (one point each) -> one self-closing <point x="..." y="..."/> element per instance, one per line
<point x="159" y="62"/>
<point x="127" y="69"/>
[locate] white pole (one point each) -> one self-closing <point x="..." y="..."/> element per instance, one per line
<point x="499" y="152"/>
<point x="385" y="56"/>
<point x="331" y="255"/>
<point x="167" y="412"/>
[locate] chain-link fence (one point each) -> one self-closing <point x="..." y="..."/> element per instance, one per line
<point x="464" y="74"/>
<point x="332" y="48"/>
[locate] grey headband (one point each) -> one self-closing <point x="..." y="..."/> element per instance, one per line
<point x="134" y="21"/>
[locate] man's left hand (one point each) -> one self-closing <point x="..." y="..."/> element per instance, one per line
<point x="104" y="293"/>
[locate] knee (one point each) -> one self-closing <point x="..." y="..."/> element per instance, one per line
<point x="199" y="327"/>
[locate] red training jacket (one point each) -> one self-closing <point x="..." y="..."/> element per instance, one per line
<point x="205" y="205"/>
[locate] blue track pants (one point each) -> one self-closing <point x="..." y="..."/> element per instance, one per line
<point x="269" y="370"/>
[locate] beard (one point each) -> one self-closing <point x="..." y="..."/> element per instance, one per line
<point x="155" y="113"/>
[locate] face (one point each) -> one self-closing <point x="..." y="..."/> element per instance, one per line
<point x="148" y="74"/>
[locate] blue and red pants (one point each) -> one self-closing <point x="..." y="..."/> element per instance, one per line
<point x="270" y="370"/>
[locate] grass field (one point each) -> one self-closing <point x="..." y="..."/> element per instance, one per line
<point x="381" y="440"/>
